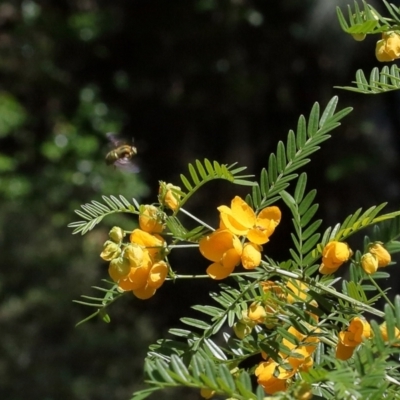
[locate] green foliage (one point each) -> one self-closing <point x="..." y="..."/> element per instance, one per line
<point x="365" y="21"/>
<point x="94" y="212"/>
<point x="207" y="172"/>
<point x="12" y="114"/>
<point x="101" y="303"/>
<point x="301" y="311"/>
<point x="299" y="146"/>
<point x="382" y="81"/>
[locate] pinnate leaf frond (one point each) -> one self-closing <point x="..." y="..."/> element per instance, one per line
<point x="382" y="81"/>
<point x="95" y="211"/>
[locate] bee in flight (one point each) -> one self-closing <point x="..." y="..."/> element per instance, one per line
<point x="122" y="154"/>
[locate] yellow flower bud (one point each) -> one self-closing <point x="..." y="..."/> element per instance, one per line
<point x="110" y="251"/>
<point x="169" y="196"/>
<point x="151" y="219"/>
<point x="383" y="329"/>
<point x="369" y="263"/>
<point x="256" y="313"/>
<point x="116" y="234"/>
<point x="134" y="254"/>
<point x="381" y="254"/>
<point x="251" y="255"/>
<point x="119" y="268"/>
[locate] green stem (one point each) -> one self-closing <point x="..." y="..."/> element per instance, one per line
<point x="196" y="219"/>
<point x="382" y="293"/>
<point x="327" y="289"/>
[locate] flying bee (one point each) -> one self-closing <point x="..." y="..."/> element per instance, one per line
<point x="122" y="154"/>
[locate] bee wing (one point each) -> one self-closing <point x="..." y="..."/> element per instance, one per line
<point x="125" y="164"/>
<point x="113" y="139"/>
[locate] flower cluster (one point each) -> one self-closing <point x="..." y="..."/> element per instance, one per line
<point x="333" y="256"/>
<point x="224" y="246"/>
<point x="388" y="48"/>
<point x="272" y="376"/>
<point x="139" y="265"/>
<point x="357" y="331"/>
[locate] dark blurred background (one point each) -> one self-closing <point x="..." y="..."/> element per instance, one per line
<point x="187" y="79"/>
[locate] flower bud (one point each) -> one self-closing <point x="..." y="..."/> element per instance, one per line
<point x="241" y="329"/>
<point x="256" y="312"/>
<point x="116" y="234"/>
<point x="381" y="254"/>
<point x="369" y="263"/>
<point x="251" y="255"/>
<point x="151" y="219"/>
<point x="110" y="251"/>
<point x="169" y="196"/>
<point x="133" y="253"/>
<point x="118" y="268"/>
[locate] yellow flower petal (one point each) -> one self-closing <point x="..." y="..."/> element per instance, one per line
<point x="239" y="218"/>
<point x="251" y="255"/>
<point x="157" y="274"/>
<point x="214" y="246"/>
<point x="344" y="352"/>
<point x="217" y="271"/>
<point x="144" y="293"/>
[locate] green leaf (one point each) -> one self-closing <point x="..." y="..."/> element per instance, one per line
<point x="300" y="188"/>
<point x="313" y="121"/>
<point x="195" y="322"/>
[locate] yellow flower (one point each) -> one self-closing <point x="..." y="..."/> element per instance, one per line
<point x="137" y="276"/>
<point x="251" y="255"/>
<point x="169" y="195"/>
<point x="256" y="313"/>
<point x="333" y="256"/>
<point x="151" y="219"/>
<point x="381" y="254"/>
<point x="369" y="263"/>
<point x="225" y="249"/>
<point x="241" y="220"/>
<point x="154" y="244"/>
<point x="358" y="330"/>
<point x="343" y="352"/>
<point x="304" y="350"/>
<point x="388" y="48"/>
<point x="110" y="251"/>
<point x="383" y="329"/>
<point x="270" y="381"/>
